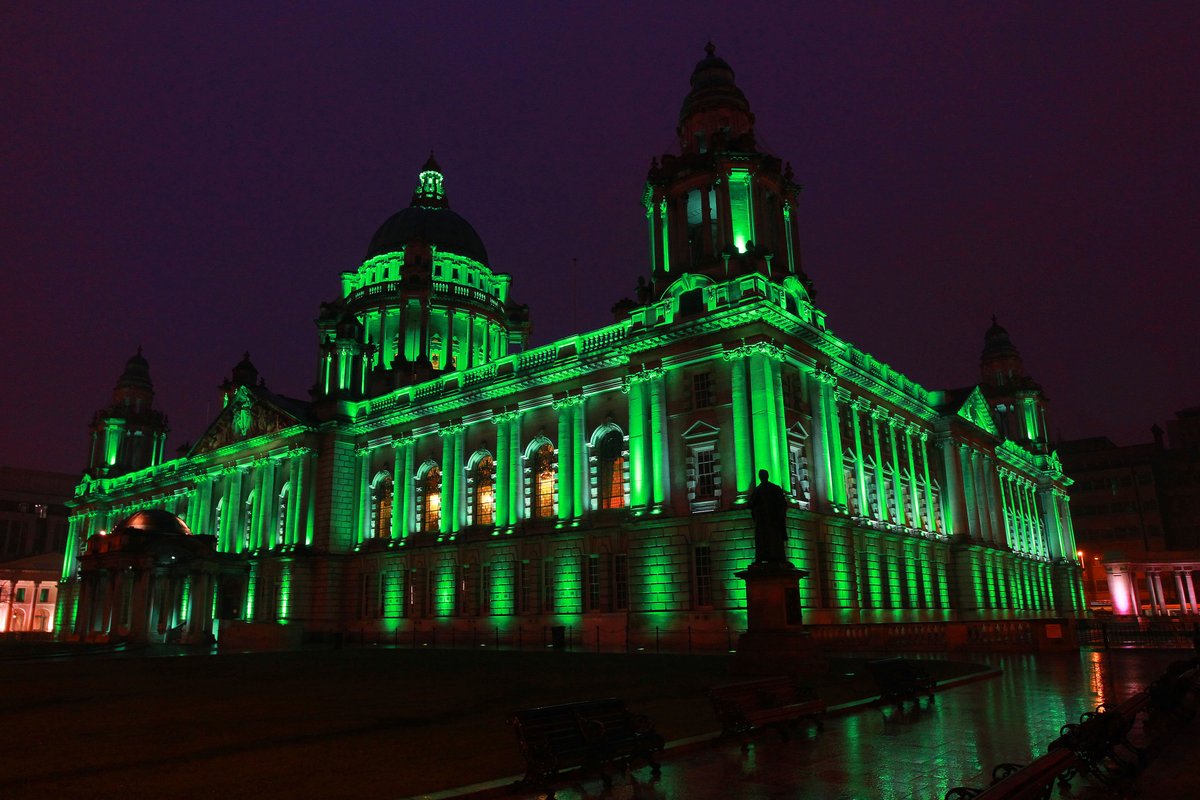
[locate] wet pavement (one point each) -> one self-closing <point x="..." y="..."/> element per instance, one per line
<point x="885" y="754"/>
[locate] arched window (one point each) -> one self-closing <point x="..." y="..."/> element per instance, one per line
<point x="381" y="506"/>
<point x="431" y="498"/>
<point x="483" y="488"/>
<point x="610" y="454"/>
<point x="544" y="483"/>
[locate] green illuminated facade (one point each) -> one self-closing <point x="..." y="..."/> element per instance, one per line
<point x="445" y="475"/>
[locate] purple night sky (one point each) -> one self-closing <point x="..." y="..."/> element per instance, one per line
<point x="194" y="177"/>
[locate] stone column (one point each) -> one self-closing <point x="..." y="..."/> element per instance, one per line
<point x="970" y="490"/>
<point x="639" y="471"/>
<point x="832" y="430"/>
<point x="740" y="412"/>
<point x="1191" y="590"/>
<point x="566" y="459"/>
<point x="783" y="460"/>
<point x="897" y="479"/>
<point x="516" y="485"/>
<point x="879" y="415"/>
<point x="930" y="511"/>
<point x="445" y="520"/>
<point x="459" y="498"/>
<point x="659" y="452"/>
<point x="402" y="487"/>
<point x="953" y="493"/>
<point x="762" y="416"/>
<point x="856" y="408"/>
<point x="504" y="472"/>
<point x="910" y="439"/>
<point x="363" y="515"/>
<point x="1183" y="606"/>
<point x="1154" y="602"/>
<point x="580" y="466"/>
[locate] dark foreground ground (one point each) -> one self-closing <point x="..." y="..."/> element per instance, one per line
<point x="328" y="724"/>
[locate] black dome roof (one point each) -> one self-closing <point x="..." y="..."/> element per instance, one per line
<point x="436" y="226"/>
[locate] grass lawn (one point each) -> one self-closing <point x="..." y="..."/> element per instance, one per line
<point x="326" y="723"/>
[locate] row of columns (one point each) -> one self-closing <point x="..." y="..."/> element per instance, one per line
<point x="913" y="497"/>
<point x="1185" y="591"/>
<point x="648" y="455"/>
<point x="158" y="602"/>
<point x="244" y="512"/>
<point x="759" y="429"/>
<point x="29" y="606"/>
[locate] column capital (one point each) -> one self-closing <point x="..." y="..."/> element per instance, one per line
<point x="879" y="413"/>
<point x="505" y="415"/>
<point x="451" y="428"/>
<point x="567" y="401"/>
<point x="825" y="375"/>
<point x="841" y="395"/>
<point x="762" y="347"/>
<point x="861" y="404"/>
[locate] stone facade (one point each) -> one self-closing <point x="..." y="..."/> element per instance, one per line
<point x="447" y="477"/>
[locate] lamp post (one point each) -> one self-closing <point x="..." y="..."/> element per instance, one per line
<point x="1083" y="567"/>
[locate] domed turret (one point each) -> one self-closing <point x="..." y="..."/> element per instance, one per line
<point x="715" y="113"/>
<point x="720" y="208"/>
<point x="128" y="434"/>
<point x="1000" y="362"/>
<point x="1016" y="397"/>
<point x="425" y="301"/>
<point x="428" y="220"/>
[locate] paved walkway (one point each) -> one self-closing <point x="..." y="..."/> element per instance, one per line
<point x="883" y="754"/>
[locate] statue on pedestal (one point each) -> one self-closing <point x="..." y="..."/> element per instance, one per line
<point x="768" y="508"/>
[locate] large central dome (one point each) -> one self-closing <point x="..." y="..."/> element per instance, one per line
<point x="430" y="220"/>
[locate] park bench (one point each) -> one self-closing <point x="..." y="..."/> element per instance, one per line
<point x="744" y="707"/>
<point x="901" y="679"/>
<point x="1034" y="781"/>
<point x="591" y="735"/>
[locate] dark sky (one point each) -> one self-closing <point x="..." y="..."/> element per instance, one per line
<point x="194" y="177"/>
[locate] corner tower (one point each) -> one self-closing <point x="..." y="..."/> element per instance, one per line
<point x="720" y="207"/>
<point x="129" y="434"/>
<point x="425" y="301"/>
<point x="1016" y="397"/>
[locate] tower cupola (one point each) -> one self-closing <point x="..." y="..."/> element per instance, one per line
<point x="425" y="301"/>
<point x="1016" y="397"/>
<point x="721" y="208"/>
<point x="129" y="434"/>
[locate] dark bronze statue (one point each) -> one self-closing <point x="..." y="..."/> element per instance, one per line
<point x="768" y="508"/>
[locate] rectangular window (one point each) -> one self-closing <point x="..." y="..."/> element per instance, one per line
<point x="548" y="586"/>
<point x="44" y="596"/>
<point x="483" y="586"/>
<point x="21" y="595"/>
<point x="593" y="583"/>
<point x="529" y="586"/>
<point x="461" y="598"/>
<point x="702" y="390"/>
<point x="621" y="582"/>
<point x="366" y="604"/>
<point x="706" y="473"/>
<point x="703" y="571"/>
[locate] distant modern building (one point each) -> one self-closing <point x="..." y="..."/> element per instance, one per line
<point x="33" y="534"/>
<point x="1138" y="515"/>
<point x="443" y="476"/>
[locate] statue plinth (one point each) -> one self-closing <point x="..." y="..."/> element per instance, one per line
<point x="775" y="642"/>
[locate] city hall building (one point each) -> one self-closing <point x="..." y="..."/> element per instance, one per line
<point x="446" y="480"/>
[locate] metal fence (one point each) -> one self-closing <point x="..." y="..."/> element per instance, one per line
<point x="1151" y="632"/>
<point x="577" y="638"/>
